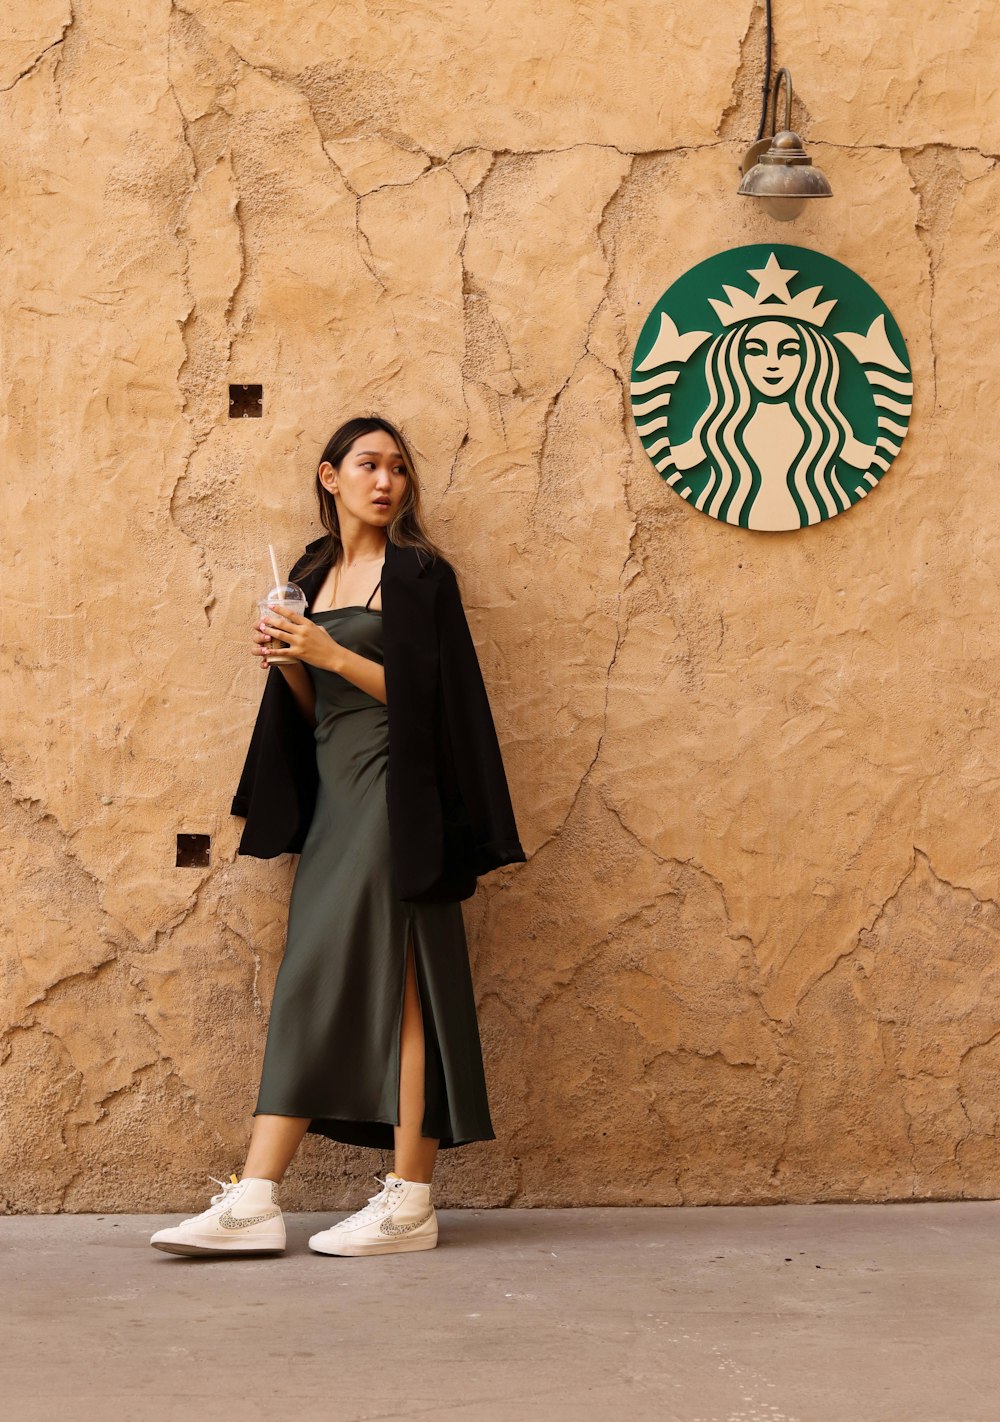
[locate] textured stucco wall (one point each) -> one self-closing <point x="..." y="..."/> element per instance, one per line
<point x="755" y="952"/>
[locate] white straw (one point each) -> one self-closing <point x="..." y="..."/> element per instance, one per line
<point x="274" y="566"/>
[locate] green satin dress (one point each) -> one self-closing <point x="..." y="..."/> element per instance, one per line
<point x="333" y="1037"/>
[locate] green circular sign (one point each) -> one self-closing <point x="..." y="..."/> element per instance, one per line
<point x="771" y="387"/>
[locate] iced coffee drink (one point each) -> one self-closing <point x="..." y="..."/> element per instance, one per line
<point x="287" y="597"/>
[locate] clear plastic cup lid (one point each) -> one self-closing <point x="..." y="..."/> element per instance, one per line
<point x="287" y="592"/>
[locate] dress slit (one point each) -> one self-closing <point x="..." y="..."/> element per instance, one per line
<point x="435" y="1091"/>
<point x="398" y="1044"/>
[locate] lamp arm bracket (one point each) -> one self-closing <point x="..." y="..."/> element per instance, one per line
<point x="785" y="74"/>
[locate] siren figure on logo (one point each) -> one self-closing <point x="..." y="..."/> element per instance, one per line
<point x="771" y="431"/>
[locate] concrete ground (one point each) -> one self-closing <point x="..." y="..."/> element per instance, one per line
<point x="789" y="1313"/>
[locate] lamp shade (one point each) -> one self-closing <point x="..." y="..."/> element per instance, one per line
<point x="784" y="177"/>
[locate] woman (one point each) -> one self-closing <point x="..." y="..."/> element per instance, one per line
<point x="373" y="1037"/>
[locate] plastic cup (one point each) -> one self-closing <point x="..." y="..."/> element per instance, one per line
<point x="286" y="597"/>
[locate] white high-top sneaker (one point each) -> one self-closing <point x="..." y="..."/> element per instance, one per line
<point x="398" y="1219"/>
<point x="243" y="1218"/>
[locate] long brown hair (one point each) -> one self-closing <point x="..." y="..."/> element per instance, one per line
<point x="406" y="530"/>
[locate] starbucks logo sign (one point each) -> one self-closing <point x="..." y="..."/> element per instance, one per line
<point x="771" y="387"/>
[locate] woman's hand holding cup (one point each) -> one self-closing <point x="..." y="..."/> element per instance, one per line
<point x="299" y="640"/>
<point x="262" y="645"/>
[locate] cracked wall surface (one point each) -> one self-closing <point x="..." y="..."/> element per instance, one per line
<point x="754" y="954"/>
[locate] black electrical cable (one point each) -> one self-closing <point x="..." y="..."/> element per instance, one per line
<point x="767" y="69"/>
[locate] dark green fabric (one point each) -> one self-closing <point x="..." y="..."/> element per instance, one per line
<point x="332" y="1049"/>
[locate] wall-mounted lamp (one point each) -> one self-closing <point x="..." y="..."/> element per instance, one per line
<point x="776" y="169"/>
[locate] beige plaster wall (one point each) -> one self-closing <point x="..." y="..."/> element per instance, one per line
<point x="755" y="952"/>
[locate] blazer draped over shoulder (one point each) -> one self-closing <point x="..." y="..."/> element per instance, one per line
<point x="450" y="814"/>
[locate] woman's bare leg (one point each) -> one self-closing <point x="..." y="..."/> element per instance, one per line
<point x="415" y="1154"/>
<point x="273" y="1142"/>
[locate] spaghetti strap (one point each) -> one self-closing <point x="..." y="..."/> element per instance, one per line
<point x="374" y="591"/>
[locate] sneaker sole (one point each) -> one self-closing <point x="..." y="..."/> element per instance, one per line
<point x="351" y="1249"/>
<point x="170" y="1247"/>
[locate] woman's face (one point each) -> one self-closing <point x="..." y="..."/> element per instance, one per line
<point x="772" y="357"/>
<point x="371" y="480"/>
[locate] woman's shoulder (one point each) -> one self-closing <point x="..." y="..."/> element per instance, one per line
<point x="309" y="559"/>
<point x="415" y="562"/>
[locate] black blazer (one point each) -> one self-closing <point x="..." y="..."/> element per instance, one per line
<point x="450" y="815"/>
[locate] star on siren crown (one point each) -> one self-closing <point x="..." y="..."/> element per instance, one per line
<point x="772" y="282"/>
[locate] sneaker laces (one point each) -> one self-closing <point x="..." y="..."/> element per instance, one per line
<point x="374" y="1205"/>
<point x="228" y="1188"/>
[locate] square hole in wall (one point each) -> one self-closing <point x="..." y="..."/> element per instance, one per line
<point x="193" y="851"/>
<point x="246" y="401"/>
